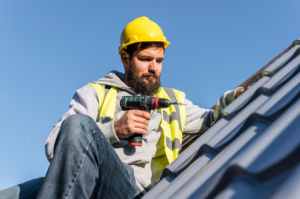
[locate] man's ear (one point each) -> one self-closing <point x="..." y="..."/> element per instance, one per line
<point x="125" y="58"/>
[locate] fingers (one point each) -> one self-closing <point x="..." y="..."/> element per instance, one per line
<point x="132" y="122"/>
<point x="239" y="92"/>
<point x="142" y="114"/>
<point x="138" y="131"/>
<point x="140" y="126"/>
<point x="141" y="120"/>
<point x="250" y="85"/>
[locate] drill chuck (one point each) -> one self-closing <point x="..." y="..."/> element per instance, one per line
<point x="161" y="103"/>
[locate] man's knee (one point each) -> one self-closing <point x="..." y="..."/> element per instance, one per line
<point x="78" y="120"/>
<point x="75" y="128"/>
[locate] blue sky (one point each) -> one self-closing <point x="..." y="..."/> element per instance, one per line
<point x="48" y="49"/>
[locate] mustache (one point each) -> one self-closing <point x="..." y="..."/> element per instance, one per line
<point x="150" y="74"/>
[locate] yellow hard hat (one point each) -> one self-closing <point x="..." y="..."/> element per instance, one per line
<point x="142" y="29"/>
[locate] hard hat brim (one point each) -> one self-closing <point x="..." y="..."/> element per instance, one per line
<point x="166" y="43"/>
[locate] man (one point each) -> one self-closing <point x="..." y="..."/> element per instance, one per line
<point x="88" y="148"/>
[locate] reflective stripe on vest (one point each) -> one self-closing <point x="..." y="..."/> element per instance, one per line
<point x="106" y="106"/>
<point x="172" y="118"/>
<point x="172" y="124"/>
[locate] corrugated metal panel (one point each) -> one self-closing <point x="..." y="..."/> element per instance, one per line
<point x="252" y="149"/>
<point x="189" y="139"/>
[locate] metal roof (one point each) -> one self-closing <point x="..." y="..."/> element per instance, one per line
<point x="252" y="151"/>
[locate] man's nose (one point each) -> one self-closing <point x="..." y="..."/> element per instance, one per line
<point x="153" y="65"/>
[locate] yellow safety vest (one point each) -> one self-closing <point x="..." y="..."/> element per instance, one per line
<point x="172" y="118"/>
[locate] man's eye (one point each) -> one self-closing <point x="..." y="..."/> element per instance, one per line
<point x="145" y="59"/>
<point x="159" y="61"/>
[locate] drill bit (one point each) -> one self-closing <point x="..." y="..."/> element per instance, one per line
<point x="177" y="103"/>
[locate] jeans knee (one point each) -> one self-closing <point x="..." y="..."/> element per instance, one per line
<point x="78" y="119"/>
<point x="76" y="127"/>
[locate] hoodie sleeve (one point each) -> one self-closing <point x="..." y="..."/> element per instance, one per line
<point x="84" y="101"/>
<point x="198" y="120"/>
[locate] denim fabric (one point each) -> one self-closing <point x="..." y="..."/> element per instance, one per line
<point x="84" y="165"/>
<point x="27" y="190"/>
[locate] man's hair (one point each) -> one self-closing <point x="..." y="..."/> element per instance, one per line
<point x="143" y="45"/>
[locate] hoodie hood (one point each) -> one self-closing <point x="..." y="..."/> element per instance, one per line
<point x="115" y="79"/>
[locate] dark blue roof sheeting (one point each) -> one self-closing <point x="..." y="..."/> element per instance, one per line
<point x="252" y="150"/>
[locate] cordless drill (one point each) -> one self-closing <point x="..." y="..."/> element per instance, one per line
<point x="144" y="103"/>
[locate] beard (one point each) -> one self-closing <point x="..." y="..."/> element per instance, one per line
<point x="149" y="87"/>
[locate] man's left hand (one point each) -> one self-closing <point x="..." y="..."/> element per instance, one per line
<point x="239" y="91"/>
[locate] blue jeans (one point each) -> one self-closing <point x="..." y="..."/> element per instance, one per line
<point x="27" y="190"/>
<point x="85" y="165"/>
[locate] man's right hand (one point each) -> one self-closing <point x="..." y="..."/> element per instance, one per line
<point x="132" y="122"/>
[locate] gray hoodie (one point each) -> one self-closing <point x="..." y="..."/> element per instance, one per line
<point x="146" y="169"/>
